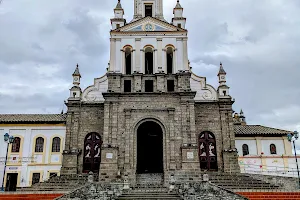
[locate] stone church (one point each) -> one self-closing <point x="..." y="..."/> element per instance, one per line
<point x="149" y="114"/>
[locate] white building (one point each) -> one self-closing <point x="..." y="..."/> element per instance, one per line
<point x="263" y="150"/>
<point x="36" y="152"/>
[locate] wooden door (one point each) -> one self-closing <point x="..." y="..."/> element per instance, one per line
<point x="92" y="153"/>
<point x="208" y="151"/>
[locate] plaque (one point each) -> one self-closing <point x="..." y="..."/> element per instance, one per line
<point x="190" y="155"/>
<point x="109" y="155"/>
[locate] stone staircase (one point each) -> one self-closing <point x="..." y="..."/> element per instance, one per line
<point x="63" y="183"/>
<point x="149" y="186"/>
<point x="233" y="182"/>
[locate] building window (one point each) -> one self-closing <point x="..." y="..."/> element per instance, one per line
<point x="35" y="178"/>
<point x="179" y="25"/>
<point x="148" y="10"/>
<point x="148" y="85"/>
<point x="118" y="25"/>
<point x="170" y="85"/>
<point x="148" y="60"/>
<point x="169" y="60"/>
<point x="56" y="144"/>
<point x="127" y="85"/>
<point x="245" y="149"/>
<point x="39" y="144"/>
<point x="128" y="60"/>
<point x="15" y="148"/>
<point x="273" y="149"/>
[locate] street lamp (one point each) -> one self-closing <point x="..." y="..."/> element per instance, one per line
<point x="9" y="139"/>
<point x="292" y="137"/>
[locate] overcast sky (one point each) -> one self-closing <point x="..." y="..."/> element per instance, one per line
<point x="257" y="41"/>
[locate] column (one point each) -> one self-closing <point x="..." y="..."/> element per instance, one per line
<point x="179" y="54"/>
<point x="287" y="151"/>
<point x="155" y="68"/>
<point x="118" y="63"/>
<point x="138" y="55"/>
<point x="163" y="60"/>
<point x="159" y="54"/>
<point x="112" y="54"/>
<point x="185" y="55"/>
<point x="258" y="145"/>
<point x="142" y="58"/>
<point x="106" y="123"/>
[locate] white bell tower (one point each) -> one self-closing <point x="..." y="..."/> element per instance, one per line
<point x="152" y="8"/>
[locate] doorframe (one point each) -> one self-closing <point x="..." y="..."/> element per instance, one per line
<point x="136" y="126"/>
<point x="198" y="138"/>
<point x="101" y="145"/>
<point x="13" y="172"/>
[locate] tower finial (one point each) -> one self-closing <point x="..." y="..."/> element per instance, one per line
<point x="221" y="70"/>
<point x="76" y="72"/>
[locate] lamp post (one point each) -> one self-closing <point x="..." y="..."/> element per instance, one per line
<point x="9" y="140"/>
<point x="292" y="137"/>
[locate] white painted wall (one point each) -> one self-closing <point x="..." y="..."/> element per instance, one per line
<point x="266" y="146"/>
<point x="251" y="144"/>
<point x="27" y="150"/>
<point x="281" y="164"/>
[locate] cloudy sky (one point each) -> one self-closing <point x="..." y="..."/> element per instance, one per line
<point x="257" y="41"/>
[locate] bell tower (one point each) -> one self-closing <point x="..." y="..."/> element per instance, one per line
<point x="152" y="8"/>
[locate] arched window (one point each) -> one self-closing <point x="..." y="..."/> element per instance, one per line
<point x="149" y="60"/>
<point x="169" y="60"/>
<point x="39" y="144"/>
<point x="245" y="148"/>
<point x="56" y="144"/>
<point x="128" y="60"/>
<point x="15" y="148"/>
<point x="273" y="149"/>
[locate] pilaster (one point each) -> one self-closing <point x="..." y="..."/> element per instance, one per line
<point x="119" y="53"/>
<point x="138" y="55"/>
<point x="112" y="55"/>
<point x="159" y="55"/>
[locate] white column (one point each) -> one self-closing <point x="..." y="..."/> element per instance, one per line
<point x="159" y="54"/>
<point x="118" y="67"/>
<point x="112" y="54"/>
<point x="138" y="55"/>
<point x="155" y="67"/>
<point x="142" y="57"/>
<point x="179" y="55"/>
<point x="164" y="60"/>
<point x="133" y="64"/>
<point x="185" y="55"/>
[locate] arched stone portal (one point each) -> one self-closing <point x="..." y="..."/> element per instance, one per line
<point x="149" y="148"/>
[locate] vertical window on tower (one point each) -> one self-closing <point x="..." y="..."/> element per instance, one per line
<point x="127" y="85"/>
<point x="169" y="60"/>
<point x="128" y="60"/>
<point x="148" y="60"/>
<point x="148" y="85"/>
<point x="118" y="25"/>
<point x="179" y="25"/>
<point x="170" y="85"/>
<point x="148" y="10"/>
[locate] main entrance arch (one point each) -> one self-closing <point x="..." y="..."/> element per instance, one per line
<point x="92" y="153"/>
<point x="149" y="148"/>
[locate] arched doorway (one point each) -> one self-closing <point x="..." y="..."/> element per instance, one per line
<point x="149" y="148"/>
<point x="207" y="151"/>
<point x="92" y="153"/>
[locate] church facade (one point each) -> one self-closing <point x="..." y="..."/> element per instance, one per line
<point x="149" y="114"/>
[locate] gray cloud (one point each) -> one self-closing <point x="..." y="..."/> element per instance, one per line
<point x="257" y="41"/>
